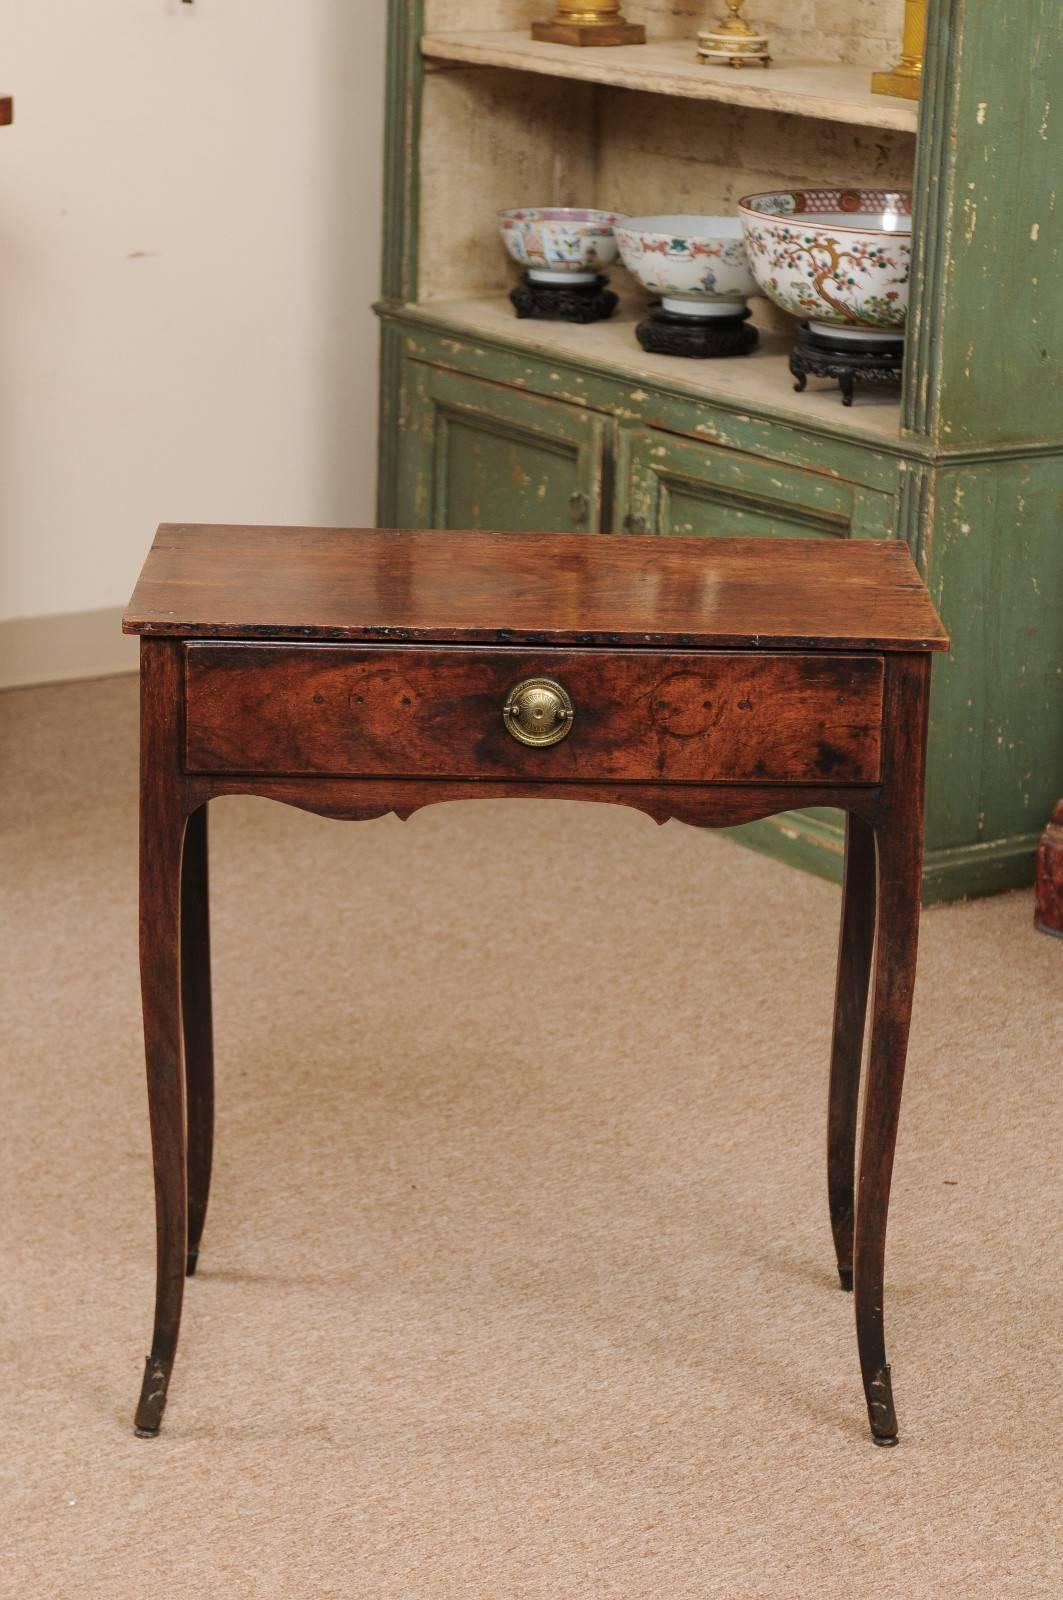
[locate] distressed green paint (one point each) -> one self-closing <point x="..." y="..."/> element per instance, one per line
<point x="398" y="271"/>
<point x="997" y="571"/>
<point x="678" y="486"/>
<point x="402" y="138"/>
<point x="392" y="407"/>
<point x="489" y="431"/>
<point x="987" y="315"/>
<point x="492" y="457"/>
<point x="634" y="397"/>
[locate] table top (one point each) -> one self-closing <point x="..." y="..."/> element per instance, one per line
<point x="204" y="581"/>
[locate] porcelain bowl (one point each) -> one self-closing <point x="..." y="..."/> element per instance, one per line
<point x="841" y="258"/>
<point x="698" y="265"/>
<point x="560" y="244"/>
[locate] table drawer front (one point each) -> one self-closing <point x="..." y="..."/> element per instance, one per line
<point x="638" y="716"/>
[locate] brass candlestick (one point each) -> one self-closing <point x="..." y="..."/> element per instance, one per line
<point x="733" y="42"/>
<point x="906" y="78"/>
<point x="586" y="22"/>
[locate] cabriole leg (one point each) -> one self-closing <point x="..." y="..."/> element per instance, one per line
<point x="162" y="831"/>
<point x="899" y="883"/>
<point x="160" y="988"/>
<point x="855" y="949"/>
<point x="198" y="1026"/>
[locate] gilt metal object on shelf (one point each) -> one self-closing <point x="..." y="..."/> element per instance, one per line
<point x="538" y="711"/>
<point x="849" y="361"/>
<point x="588" y="22"/>
<point x="906" y="77"/>
<point x="564" y="302"/>
<point x="733" y="42"/>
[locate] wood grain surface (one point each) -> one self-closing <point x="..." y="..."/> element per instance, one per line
<point x="204" y="581"/>
<point x="338" y="710"/>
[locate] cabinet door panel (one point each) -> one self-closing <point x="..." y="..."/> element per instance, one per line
<point x="669" y="484"/>
<point x="481" y="455"/>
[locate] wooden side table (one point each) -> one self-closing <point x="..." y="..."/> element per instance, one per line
<point x="356" y="673"/>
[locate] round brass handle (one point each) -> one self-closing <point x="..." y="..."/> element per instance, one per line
<point x="538" y="711"/>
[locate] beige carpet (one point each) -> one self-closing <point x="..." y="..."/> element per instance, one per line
<point x="517" y="1280"/>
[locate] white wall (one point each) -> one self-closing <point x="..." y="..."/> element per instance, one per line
<point x="189" y="243"/>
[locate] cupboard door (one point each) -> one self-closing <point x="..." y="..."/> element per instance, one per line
<point x="481" y="455"/>
<point x="671" y="484"/>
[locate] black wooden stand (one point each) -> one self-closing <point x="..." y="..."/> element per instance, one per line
<point x="564" y="302"/>
<point x="849" y="361"/>
<point x="669" y="333"/>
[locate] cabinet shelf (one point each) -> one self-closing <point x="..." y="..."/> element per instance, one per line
<point x="759" y="384"/>
<point x="832" y="92"/>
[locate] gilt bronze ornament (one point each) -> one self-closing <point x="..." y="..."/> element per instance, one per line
<point x="733" y="42"/>
<point x="588" y="22"/>
<point x="906" y="78"/>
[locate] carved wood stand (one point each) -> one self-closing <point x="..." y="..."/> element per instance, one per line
<point x="356" y="673"/>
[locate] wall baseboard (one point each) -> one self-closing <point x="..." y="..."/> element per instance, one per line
<point x="75" y="644"/>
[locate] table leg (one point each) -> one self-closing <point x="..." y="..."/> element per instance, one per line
<point x="162" y="831"/>
<point x="855" y="948"/>
<point x="198" y="1026"/>
<point x="900" y="853"/>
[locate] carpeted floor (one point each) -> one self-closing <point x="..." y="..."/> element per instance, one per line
<point x="517" y="1280"/>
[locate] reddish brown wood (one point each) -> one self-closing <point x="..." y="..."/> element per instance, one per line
<point x="533" y="588"/>
<point x="361" y="799"/>
<point x="7" y="110"/>
<point x="261" y="709"/>
<point x="1048" y="916"/>
<point x="899" y="842"/>
<point x="341" y="710"/>
<point x="162" y="829"/>
<point x="198" y="1026"/>
<point x="855" y="946"/>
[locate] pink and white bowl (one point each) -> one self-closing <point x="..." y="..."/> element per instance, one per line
<point x="840" y="258"/>
<point x="560" y="244"/>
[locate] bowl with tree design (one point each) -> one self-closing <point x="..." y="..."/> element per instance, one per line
<point x="840" y="258"/>
<point x="697" y="265"/>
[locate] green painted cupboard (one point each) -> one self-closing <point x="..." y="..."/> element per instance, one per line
<point x="490" y="422"/>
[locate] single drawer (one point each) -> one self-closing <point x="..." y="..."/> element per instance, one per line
<point x="438" y="712"/>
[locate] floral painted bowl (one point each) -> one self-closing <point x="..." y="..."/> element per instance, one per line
<point x="560" y="244"/>
<point x="841" y="258"/>
<point x="698" y="265"/>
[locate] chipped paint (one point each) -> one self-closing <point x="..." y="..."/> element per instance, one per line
<point x="976" y="392"/>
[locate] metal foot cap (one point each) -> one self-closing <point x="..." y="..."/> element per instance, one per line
<point x="148" y="1419"/>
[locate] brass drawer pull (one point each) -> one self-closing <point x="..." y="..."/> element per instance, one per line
<point x="538" y="711"/>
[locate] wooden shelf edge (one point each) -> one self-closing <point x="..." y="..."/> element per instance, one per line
<point x="832" y="92"/>
<point x="7" y="110"/>
<point x="758" y="386"/>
